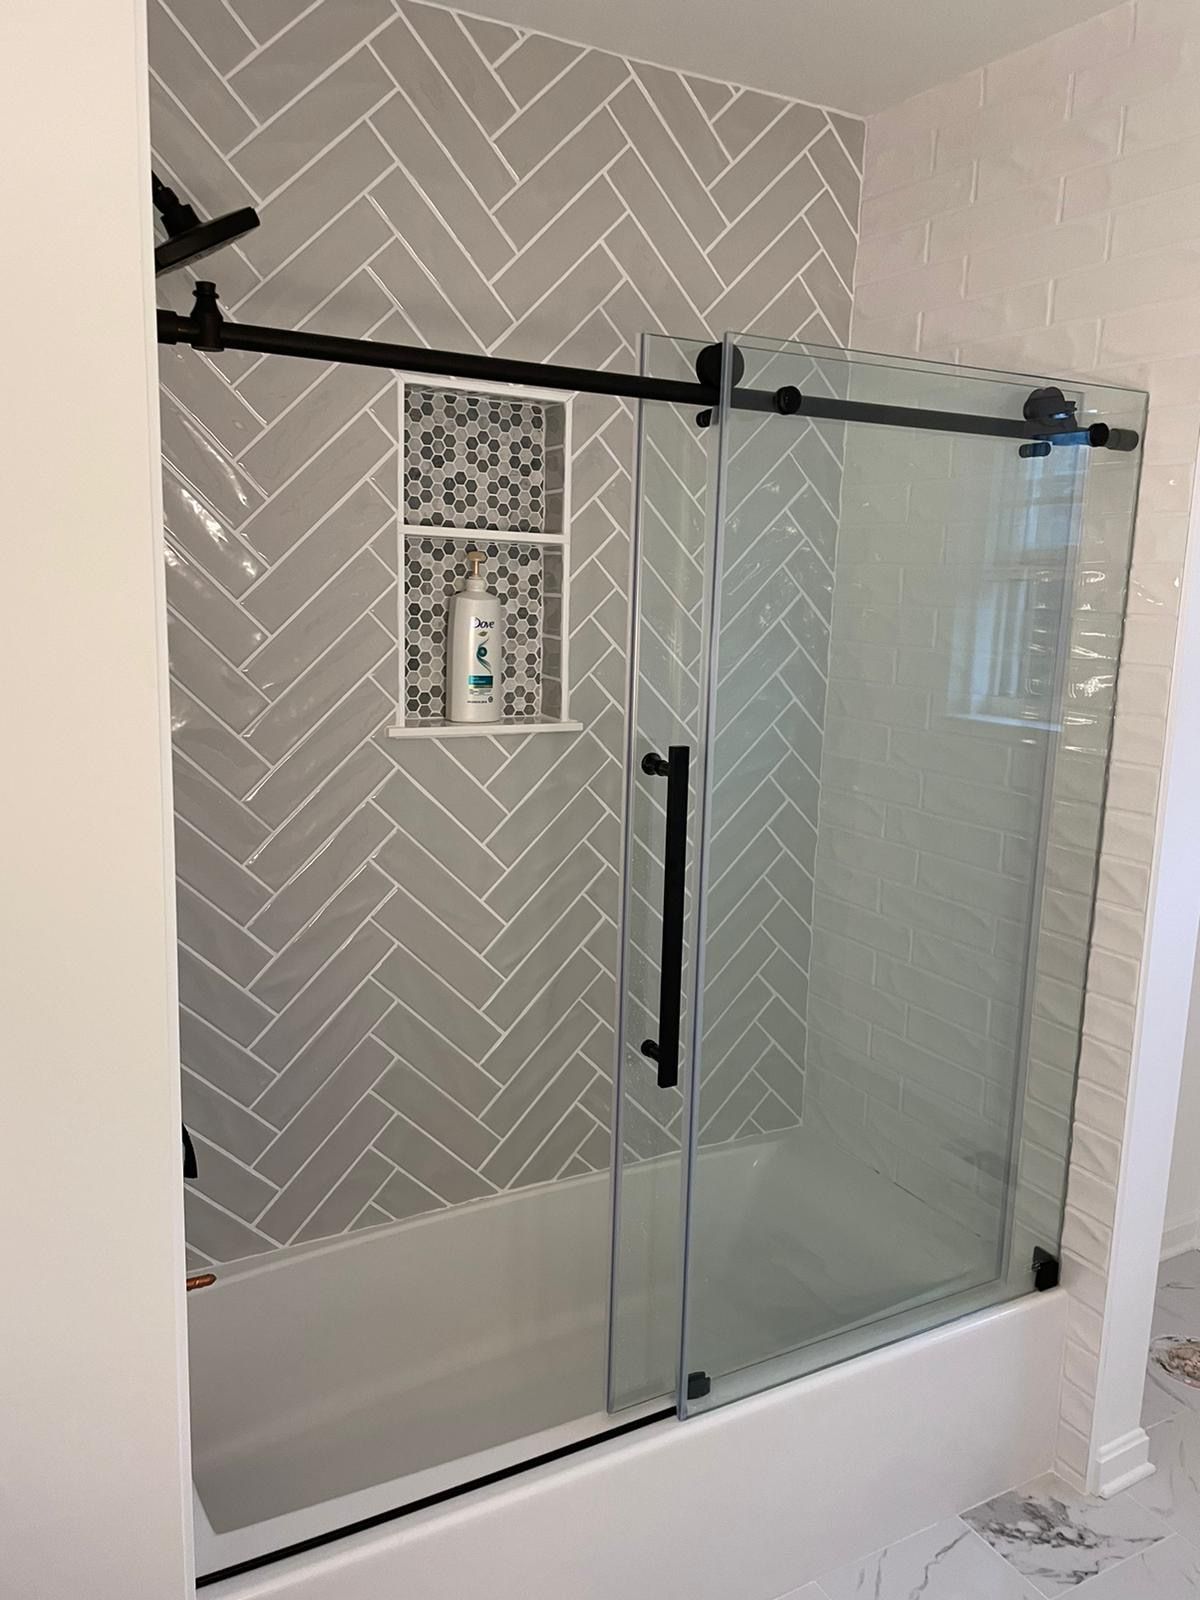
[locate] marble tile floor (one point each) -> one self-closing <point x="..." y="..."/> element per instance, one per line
<point x="1043" y="1540"/>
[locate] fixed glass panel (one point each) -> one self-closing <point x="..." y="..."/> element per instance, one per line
<point x="913" y="643"/>
<point x="1076" y="791"/>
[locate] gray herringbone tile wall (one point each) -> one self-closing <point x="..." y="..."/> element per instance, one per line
<point x="397" y="960"/>
<point x="770" y="659"/>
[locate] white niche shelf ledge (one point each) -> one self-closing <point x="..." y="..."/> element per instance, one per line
<point x="511" y="729"/>
<point x="485" y="466"/>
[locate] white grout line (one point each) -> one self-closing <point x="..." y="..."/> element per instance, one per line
<point x="488" y="210"/>
<point x="308" y="983"/>
<point x="472" y="338"/>
<point x="252" y="1228"/>
<point x="234" y="1160"/>
<point x="280" y="562"/>
<point x="287" y="1186"/>
<point x="549" y="84"/>
<point x="501" y="980"/>
<point x="281" y="1072"/>
<point x="701" y="250"/>
<point x="486" y="65"/>
<point x="218" y="153"/>
<point x="326" y="371"/>
<point x="326" y="72"/>
<point x="536" y="238"/>
<point x="516" y="327"/>
<point x="456" y="1104"/>
<point x="308" y="798"/>
<point x="240" y="927"/>
<point x="489" y="139"/>
<point x="181" y="755"/>
<point x="283" y="626"/>
<point x="288" y="260"/>
<point x="303" y="9"/>
<point x="244" y="1049"/>
<point x="333" y="894"/>
<point x="425" y="1022"/>
<point x="248" y="1111"/>
<point x="306" y="166"/>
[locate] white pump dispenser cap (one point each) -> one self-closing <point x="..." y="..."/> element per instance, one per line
<point x="473" y="583"/>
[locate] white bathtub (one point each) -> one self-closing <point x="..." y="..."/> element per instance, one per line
<point x="743" y="1504"/>
<point x="340" y="1381"/>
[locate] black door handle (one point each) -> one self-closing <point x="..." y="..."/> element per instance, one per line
<point x="664" y="1051"/>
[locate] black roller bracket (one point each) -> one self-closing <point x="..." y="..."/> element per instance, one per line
<point x="1045" y="1269"/>
<point x="788" y="400"/>
<point x="1050" y="419"/>
<point x="698" y="1385"/>
<point x="1049" y="411"/>
<point x="709" y="364"/>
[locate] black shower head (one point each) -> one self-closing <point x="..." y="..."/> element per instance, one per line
<point x="188" y="239"/>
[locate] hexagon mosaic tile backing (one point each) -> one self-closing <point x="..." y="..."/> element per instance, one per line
<point x="434" y="570"/>
<point x="473" y="461"/>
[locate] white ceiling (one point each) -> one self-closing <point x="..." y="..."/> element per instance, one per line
<point x="851" y="55"/>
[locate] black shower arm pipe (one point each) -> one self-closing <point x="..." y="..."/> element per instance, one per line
<point x="209" y="330"/>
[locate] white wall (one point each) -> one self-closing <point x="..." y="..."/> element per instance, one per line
<point x="93" y="1497"/>
<point x="1181" y="1226"/>
<point x="1043" y="214"/>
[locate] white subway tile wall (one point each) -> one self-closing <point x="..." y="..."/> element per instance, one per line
<point x="926" y="859"/>
<point x="1043" y="214"/>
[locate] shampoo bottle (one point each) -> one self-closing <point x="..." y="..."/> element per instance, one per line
<point x="473" y="668"/>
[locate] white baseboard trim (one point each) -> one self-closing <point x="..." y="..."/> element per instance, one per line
<point x="1179" y="1238"/>
<point x="1122" y="1463"/>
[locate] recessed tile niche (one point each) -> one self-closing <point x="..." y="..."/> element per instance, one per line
<point x="484" y="469"/>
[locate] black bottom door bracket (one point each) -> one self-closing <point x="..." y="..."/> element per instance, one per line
<point x="698" y="1385"/>
<point x="1045" y="1269"/>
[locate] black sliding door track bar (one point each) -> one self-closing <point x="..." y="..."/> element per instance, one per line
<point x="1049" y="418"/>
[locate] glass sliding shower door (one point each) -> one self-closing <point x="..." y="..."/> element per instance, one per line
<point x="897" y="723"/>
<point x="672" y="591"/>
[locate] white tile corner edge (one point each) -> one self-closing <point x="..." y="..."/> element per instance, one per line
<point x="1122" y="1463"/>
<point x="1164" y="994"/>
<point x="752" y="1500"/>
<point x="1180" y="1237"/>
